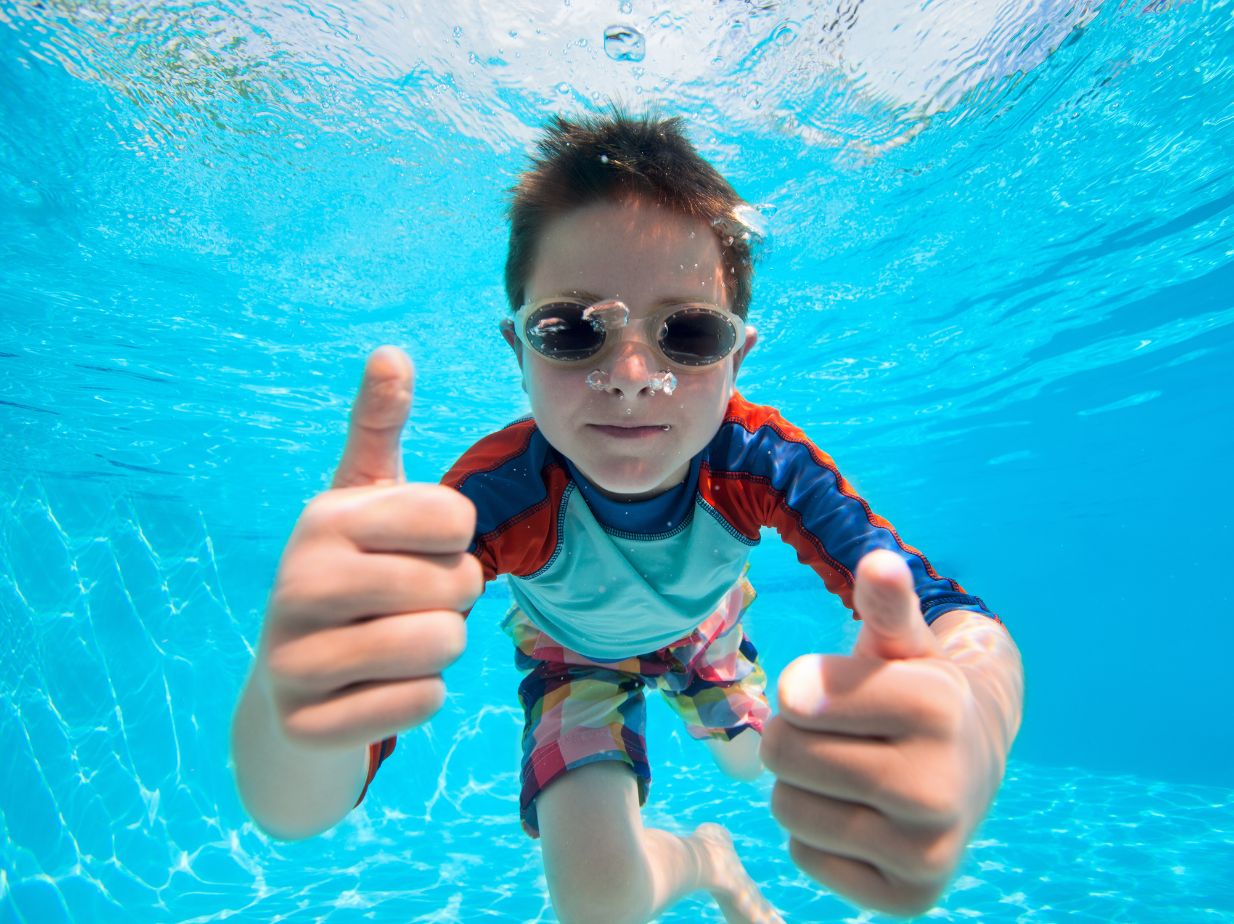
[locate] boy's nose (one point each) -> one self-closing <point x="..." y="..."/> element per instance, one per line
<point x="632" y="367"/>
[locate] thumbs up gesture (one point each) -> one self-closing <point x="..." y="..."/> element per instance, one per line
<point x="883" y="763"/>
<point x="367" y="605"/>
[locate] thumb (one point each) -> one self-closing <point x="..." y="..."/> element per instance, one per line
<point x="373" y="454"/>
<point x="890" y="611"/>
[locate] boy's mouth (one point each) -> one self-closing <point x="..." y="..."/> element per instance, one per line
<point x="631" y="431"/>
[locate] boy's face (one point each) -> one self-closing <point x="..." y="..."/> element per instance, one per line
<point x="629" y="439"/>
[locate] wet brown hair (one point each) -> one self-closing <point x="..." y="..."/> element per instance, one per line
<point x="609" y="156"/>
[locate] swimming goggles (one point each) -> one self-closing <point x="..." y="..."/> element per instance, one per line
<point x="691" y="335"/>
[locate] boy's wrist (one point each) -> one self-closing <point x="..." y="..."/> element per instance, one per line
<point x="291" y="790"/>
<point x="990" y="662"/>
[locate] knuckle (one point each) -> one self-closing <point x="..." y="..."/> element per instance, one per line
<point x="427" y="696"/>
<point x="452" y="513"/>
<point x="320" y="516"/>
<point x="284" y="598"/>
<point x="282" y="667"/>
<point x="306" y="578"/>
<point x="783" y="802"/>
<point x="933" y="802"/>
<point x="935" y="860"/>
<point x="301" y="664"/>
<point x="936" y="714"/>
<point x="444" y="643"/>
<point x="452" y="582"/>
<point x="465" y="515"/>
<point x="319" y="583"/>
<point x="300" y="727"/>
<point x="442" y="587"/>
<point x="454" y="639"/>
<point x="473" y="576"/>
<point x="910" y="901"/>
<point x="772" y="747"/>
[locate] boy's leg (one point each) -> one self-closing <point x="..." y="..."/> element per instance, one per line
<point x="602" y="865"/>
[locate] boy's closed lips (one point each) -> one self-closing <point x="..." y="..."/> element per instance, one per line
<point x="626" y="431"/>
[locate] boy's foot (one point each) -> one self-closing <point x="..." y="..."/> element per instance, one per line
<point x="726" y="879"/>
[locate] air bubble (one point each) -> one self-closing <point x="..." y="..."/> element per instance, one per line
<point x="598" y="380"/>
<point x="750" y="218"/>
<point x="663" y="381"/>
<point x="624" y="43"/>
<point x="607" y="316"/>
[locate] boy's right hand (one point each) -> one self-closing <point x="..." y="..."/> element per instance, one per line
<point x="367" y="605"/>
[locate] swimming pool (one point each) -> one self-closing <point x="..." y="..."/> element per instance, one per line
<point x="998" y="289"/>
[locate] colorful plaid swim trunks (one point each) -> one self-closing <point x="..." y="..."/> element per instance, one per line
<point x="578" y="711"/>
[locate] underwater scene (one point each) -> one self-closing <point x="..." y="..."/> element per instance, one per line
<point x="995" y="284"/>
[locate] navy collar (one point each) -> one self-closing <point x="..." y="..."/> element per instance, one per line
<point x="663" y="513"/>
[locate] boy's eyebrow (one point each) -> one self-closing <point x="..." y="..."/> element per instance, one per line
<point x="660" y="302"/>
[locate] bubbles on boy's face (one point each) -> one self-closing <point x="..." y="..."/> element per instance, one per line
<point x="662" y="381"/>
<point x="599" y="380"/>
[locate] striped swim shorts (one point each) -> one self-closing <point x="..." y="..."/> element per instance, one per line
<point x="578" y="711"/>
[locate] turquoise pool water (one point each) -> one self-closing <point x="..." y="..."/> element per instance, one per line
<point x="998" y="289"/>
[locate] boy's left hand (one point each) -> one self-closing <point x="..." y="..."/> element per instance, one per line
<point x="884" y="767"/>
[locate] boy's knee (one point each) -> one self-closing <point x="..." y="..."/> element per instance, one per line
<point x="738" y="757"/>
<point x="589" y="833"/>
<point x="601" y="886"/>
<point x="623" y="908"/>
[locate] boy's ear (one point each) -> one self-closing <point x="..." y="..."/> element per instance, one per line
<point x="507" y="331"/>
<point x="740" y="356"/>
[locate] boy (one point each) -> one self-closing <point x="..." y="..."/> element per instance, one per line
<point x="623" y="511"/>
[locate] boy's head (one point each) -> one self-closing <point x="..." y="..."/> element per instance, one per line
<point x="619" y="220"/>
<point x="617" y="156"/>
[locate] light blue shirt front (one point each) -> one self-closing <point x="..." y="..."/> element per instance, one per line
<point x="632" y="591"/>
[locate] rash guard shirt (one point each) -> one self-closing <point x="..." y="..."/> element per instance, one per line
<point x="613" y="579"/>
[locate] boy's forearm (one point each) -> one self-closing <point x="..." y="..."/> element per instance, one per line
<point x="291" y="791"/>
<point x="991" y="661"/>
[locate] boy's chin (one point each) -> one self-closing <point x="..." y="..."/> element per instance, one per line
<point x="630" y="485"/>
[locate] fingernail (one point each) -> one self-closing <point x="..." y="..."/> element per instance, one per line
<point x="801" y="687"/>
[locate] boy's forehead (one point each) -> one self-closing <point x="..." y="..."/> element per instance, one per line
<point x="618" y="247"/>
<point x="628" y="214"/>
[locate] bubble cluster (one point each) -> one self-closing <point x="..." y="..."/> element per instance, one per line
<point x="600" y="380"/>
<point x="662" y="381"/>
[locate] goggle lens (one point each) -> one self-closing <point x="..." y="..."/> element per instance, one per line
<point x="697" y="336"/>
<point x="691" y="335"/>
<point x="559" y="331"/>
